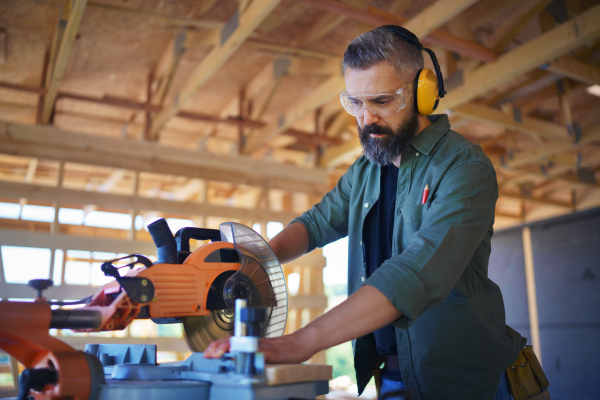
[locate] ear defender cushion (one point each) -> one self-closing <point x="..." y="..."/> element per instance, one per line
<point x="426" y="92"/>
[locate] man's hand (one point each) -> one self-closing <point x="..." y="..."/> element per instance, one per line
<point x="364" y="312"/>
<point x="286" y="349"/>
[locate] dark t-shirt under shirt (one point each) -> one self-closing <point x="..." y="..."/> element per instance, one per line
<point x="377" y="235"/>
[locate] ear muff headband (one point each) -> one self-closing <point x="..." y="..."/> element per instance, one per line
<point x="425" y="87"/>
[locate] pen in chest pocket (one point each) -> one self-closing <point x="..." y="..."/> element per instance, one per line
<point x="425" y="194"/>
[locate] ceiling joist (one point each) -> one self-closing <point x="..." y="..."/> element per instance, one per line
<point x="60" y="56"/>
<point x="243" y="24"/>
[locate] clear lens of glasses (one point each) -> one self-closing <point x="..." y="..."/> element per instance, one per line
<point x="382" y="104"/>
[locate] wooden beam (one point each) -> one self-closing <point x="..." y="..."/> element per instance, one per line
<point x="244" y="24"/>
<point x="436" y="15"/>
<point x="183" y="22"/>
<point x="56" y="144"/>
<point x="51" y="143"/>
<point x="555" y="42"/>
<point x="283" y="49"/>
<point x="62" y="195"/>
<point x="324" y="25"/>
<point x="478" y="17"/>
<point x="169" y="61"/>
<point x="514" y="23"/>
<point x="375" y="16"/>
<point x="538" y="153"/>
<point x="534" y="323"/>
<point x="3" y="46"/>
<point x="59" y="64"/>
<point x="575" y="69"/>
<point x="17" y="237"/>
<point x="539" y="200"/>
<point x="536" y="81"/>
<point x="527" y="125"/>
<point x="317" y="98"/>
<point x="335" y="156"/>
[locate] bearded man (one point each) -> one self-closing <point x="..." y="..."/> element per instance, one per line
<point x="420" y="301"/>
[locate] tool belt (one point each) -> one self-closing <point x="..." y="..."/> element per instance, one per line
<point x="526" y="377"/>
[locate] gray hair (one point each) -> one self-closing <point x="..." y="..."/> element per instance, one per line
<point x="379" y="45"/>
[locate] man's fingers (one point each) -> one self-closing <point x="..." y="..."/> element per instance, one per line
<point x="217" y="348"/>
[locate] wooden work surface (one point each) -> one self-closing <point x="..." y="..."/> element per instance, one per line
<point x="279" y="374"/>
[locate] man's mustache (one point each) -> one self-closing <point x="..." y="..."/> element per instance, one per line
<point x="377" y="130"/>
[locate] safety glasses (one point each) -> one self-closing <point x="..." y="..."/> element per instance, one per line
<point x="382" y="104"/>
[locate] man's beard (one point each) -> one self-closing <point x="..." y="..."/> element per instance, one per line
<point x="383" y="150"/>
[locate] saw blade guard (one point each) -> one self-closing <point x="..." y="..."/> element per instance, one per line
<point x="260" y="280"/>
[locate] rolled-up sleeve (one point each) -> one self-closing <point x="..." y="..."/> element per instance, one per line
<point x="327" y="221"/>
<point x="437" y="254"/>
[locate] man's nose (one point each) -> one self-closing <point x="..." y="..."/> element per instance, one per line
<point x="369" y="118"/>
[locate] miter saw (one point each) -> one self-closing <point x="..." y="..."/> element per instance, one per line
<point x="234" y="284"/>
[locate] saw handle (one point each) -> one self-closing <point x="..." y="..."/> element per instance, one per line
<point x="183" y="236"/>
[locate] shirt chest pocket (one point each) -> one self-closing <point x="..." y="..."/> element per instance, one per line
<point x="412" y="218"/>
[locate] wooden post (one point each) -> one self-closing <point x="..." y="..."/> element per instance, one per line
<point x="133" y="212"/>
<point x="534" y="324"/>
<point x="2" y="276"/>
<point x="54" y="227"/>
<point x="63" y="267"/>
<point x="52" y="258"/>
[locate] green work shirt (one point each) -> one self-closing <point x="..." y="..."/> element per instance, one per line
<point x="452" y="339"/>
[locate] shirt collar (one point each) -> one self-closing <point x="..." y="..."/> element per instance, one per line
<point x="427" y="139"/>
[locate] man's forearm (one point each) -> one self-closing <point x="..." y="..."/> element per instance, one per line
<point x="291" y="243"/>
<point x="363" y="312"/>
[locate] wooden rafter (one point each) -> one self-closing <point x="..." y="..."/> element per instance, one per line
<point x="376" y="17"/>
<point x="72" y="196"/>
<point x="183" y="22"/>
<point x="436" y="15"/>
<point x="317" y="98"/>
<point x="536" y="52"/>
<point x="527" y="125"/>
<point x="575" y="69"/>
<point x="59" y="58"/>
<point x="248" y="21"/>
<point x="56" y="144"/>
<point x="520" y="159"/>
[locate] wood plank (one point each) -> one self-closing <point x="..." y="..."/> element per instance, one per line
<point x="494" y="10"/>
<point x="575" y="69"/>
<point x="317" y="98"/>
<point x="376" y="17"/>
<point x="280" y="374"/>
<point x="536" y="154"/>
<point x="514" y="23"/>
<point x="59" y="64"/>
<point x="528" y="125"/>
<point x="62" y="195"/>
<point x="249" y="20"/>
<point x="51" y="143"/>
<point x="318" y="301"/>
<point x="539" y="200"/>
<point x="335" y="156"/>
<point x="18" y="237"/>
<point x="556" y="42"/>
<point x="534" y="323"/>
<point x="183" y="22"/>
<point x="3" y="46"/>
<point x="314" y="259"/>
<point x="436" y="15"/>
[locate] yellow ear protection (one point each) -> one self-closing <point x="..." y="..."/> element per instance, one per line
<point x="428" y="86"/>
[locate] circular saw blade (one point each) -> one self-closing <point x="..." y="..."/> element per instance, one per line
<point x="259" y="280"/>
<point x="202" y="331"/>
